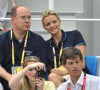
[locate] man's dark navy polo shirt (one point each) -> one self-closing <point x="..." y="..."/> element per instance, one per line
<point x="35" y="47"/>
<point x="69" y="39"/>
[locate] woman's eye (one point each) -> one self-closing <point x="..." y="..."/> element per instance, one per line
<point x="47" y="24"/>
<point x="54" y="21"/>
<point x="30" y="69"/>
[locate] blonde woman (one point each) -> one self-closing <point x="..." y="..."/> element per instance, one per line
<point x="27" y="80"/>
<point x="60" y="40"/>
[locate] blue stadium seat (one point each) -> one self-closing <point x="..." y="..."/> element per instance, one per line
<point x="91" y="62"/>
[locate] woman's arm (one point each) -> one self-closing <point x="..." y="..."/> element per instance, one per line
<point x="16" y="78"/>
<point x="82" y="48"/>
<point x="39" y="83"/>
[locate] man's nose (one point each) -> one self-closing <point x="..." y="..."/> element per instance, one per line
<point x="75" y="64"/>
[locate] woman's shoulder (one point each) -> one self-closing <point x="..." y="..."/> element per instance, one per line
<point x="73" y="32"/>
<point x="48" y="85"/>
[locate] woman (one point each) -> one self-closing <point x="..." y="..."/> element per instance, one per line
<point x="59" y="41"/>
<point x="27" y="80"/>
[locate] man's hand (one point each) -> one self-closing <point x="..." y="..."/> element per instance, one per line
<point x="57" y="71"/>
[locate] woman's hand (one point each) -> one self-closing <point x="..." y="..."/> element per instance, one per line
<point x="39" y="83"/>
<point x="38" y="66"/>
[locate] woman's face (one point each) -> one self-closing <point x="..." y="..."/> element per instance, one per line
<point x="32" y="73"/>
<point x="52" y="24"/>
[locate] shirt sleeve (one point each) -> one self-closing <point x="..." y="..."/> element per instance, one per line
<point x="98" y="87"/>
<point x="78" y="38"/>
<point x="1" y="52"/>
<point x="49" y="86"/>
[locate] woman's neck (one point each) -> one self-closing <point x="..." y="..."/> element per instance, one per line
<point x="57" y="37"/>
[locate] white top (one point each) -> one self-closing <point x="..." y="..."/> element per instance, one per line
<point x="92" y="83"/>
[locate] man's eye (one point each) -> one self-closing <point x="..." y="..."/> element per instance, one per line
<point x="23" y="18"/>
<point x="77" y="61"/>
<point x="29" y="18"/>
<point x="70" y="63"/>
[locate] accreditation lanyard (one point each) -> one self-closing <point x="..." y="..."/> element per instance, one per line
<point x="84" y="83"/>
<point x="60" y="54"/>
<point x="23" y="52"/>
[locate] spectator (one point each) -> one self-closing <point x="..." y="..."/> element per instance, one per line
<point x="59" y="41"/>
<point x="18" y="43"/>
<point x="78" y="80"/>
<point x="30" y="79"/>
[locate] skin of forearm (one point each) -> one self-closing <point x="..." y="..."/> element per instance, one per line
<point x="13" y="2"/>
<point x="82" y="48"/>
<point x="4" y="74"/>
<point x="16" y="78"/>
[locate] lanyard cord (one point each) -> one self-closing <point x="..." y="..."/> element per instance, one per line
<point x="60" y="54"/>
<point x="84" y="83"/>
<point x="55" y="64"/>
<point x="23" y="52"/>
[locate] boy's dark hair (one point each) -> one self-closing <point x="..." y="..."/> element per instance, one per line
<point x="71" y="53"/>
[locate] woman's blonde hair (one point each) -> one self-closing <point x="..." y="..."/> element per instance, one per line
<point x="48" y="13"/>
<point x="26" y="85"/>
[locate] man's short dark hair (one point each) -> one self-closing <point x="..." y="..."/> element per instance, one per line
<point x="14" y="10"/>
<point x="71" y="53"/>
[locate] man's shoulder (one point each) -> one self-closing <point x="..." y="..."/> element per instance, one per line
<point x="5" y="35"/>
<point x="34" y="35"/>
<point x="63" y="86"/>
<point x="92" y="78"/>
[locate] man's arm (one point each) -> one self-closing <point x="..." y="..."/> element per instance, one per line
<point x="4" y="74"/>
<point x="13" y="2"/>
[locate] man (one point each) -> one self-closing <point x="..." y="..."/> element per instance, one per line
<point x="18" y="43"/>
<point x="78" y="80"/>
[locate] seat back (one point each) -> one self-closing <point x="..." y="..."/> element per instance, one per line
<point x="91" y="62"/>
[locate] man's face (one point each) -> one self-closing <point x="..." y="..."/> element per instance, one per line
<point x="74" y="66"/>
<point x="22" y="20"/>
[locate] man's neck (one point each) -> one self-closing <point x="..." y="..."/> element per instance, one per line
<point x="19" y="34"/>
<point x="75" y="79"/>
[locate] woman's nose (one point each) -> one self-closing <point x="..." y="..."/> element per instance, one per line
<point x="51" y="24"/>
